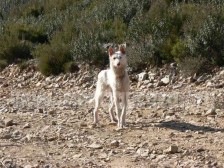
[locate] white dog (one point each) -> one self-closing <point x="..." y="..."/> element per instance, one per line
<point x="116" y="81"/>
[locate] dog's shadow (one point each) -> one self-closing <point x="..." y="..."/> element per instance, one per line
<point x="183" y="126"/>
<point x="177" y="125"/>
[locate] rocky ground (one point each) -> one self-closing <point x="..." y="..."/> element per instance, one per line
<point x="172" y="121"/>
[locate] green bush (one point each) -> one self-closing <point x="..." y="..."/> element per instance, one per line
<point x="209" y="40"/>
<point x="194" y="65"/>
<point x="71" y="67"/>
<point x="87" y="48"/>
<point x="73" y="31"/>
<point x="34" y="36"/>
<point x="12" y="49"/>
<point x="52" y="58"/>
<point x="3" y="64"/>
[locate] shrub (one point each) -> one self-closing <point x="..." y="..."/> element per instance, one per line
<point x="87" y="48"/>
<point x="209" y="40"/>
<point x="194" y="65"/>
<point x="71" y="67"/>
<point x="12" y="49"/>
<point x="52" y="58"/>
<point x="3" y="64"/>
<point x="34" y="36"/>
<point x="23" y="64"/>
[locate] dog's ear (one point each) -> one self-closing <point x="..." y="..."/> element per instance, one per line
<point x="122" y="49"/>
<point x="110" y="51"/>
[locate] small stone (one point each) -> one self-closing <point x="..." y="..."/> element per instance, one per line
<point x="115" y="143"/>
<point x="28" y="166"/>
<point x="52" y="138"/>
<point x="171" y="150"/>
<point x="27" y="125"/>
<point x="83" y="124"/>
<point x="150" y="85"/>
<point x="142" y="76"/>
<point x="200" y="150"/>
<point x="165" y="80"/>
<point x="211" y="112"/>
<point x="53" y="122"/>
<point x="51" y="112"/>
<point x="39" y="110"/>
<point x="8" y="122"/>
<point x="95" y="146"/>
<point x="38" y="84"/>
<point x="77" y="156"/>
<point x="102" y="156"/>
<point x="143" y="152"/>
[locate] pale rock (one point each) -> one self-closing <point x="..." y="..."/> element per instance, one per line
<point x="150" y="85"/>
<point x="171" y="150"/>
<point x="115" y="143"/>
<point x="142" y="76"/>
<point x="8" y="122"/>
<point x="76" y="156"/>
<point x="38" y="84"/>
<point x="222" y="72"/>
<point x="143" y="152"/>
<point x="95" y="146"/>
<point x="211" y="111"/>
<point x="166" y="80"/>
<point x="27" y="125"/>
<point x="102" y="156"/>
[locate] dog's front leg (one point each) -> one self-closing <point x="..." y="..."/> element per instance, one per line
<point x="116" y="103"/>
<point x="124" y="106"/>
<point x="112" y="117"/>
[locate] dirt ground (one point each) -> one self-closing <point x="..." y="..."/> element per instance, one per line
<point x="53" y="128"/>
<point x="46" y="122"/>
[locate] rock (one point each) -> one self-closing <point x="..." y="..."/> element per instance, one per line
<point x="171" y="150"/>
<point x="166" y="80"/>
<point x="209" y="84"/>
<point x="202" y="78"/>
<point x="39" y="110"/>
<point x="27" y="125"/>
<point x="221" y="73"/>
<point x="150" y="85"/>
<point x="8" y="122"/>
<point x="95" y="146"/>
<point x="82" y="124"/>
<point x="142" y="76"/>
<point x="102" y="156"/>
<point x="143" y="152"/>
<point x="200" y="150"/>
<point x="160" y="83"/>
<point x="53" y="138"/>
<point x="115" y="143"/>
<point x="51" y="112"/>
<point x="28" y="166"/>
<point x="211" y="111"/>
<point x="76" y="156"/>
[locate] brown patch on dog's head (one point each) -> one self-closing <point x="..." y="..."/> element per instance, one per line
<point x="110" y="51"/>
<point x="122" y="49"/>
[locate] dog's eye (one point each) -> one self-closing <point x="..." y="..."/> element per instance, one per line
<point x="114" y="58"/>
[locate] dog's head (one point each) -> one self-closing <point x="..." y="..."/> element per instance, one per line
<point x="118" y="58"/>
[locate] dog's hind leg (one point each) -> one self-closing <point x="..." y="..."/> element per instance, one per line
<point x="112" y="117"/>
<point x="98" y="97"/>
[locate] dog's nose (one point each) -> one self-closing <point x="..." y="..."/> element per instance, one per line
<point x="118" y="64"/>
